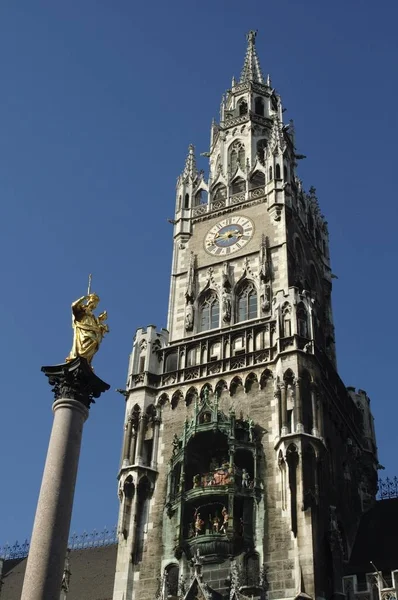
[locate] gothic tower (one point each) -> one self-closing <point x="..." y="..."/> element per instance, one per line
<point x="246" y="462"/>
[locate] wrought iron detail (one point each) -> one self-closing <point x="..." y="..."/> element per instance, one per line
<point x="95" y="539"/>
<point x="387" y="488"/>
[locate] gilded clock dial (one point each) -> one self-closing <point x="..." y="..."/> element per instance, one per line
<point x="229" y="235"/>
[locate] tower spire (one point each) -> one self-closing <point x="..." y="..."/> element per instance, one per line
<point x="251" y="68"/>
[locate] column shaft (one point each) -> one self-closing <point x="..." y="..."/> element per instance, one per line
<point x="156" y="427"/>
<point x="133" y="440"/>
<point x="284" y="409"/>
<point x="299" y="409"/>
<point x="49" y="542"/>
<point x="314" y="406"/>
<point x="127" y="441"/>
<point x="140" y="438"/>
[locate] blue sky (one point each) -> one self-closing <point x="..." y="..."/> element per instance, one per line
<point x="99" y="101"/>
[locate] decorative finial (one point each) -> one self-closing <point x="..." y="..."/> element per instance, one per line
<point x="190" y="171"/>
<point x="88" y="329"/>
<point x="251" y="36"/>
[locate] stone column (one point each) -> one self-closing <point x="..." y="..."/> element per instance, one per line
<point x="283" y="409"/>
<point x="299" y="408"/>
<point x="155" y="444"/>
<point x="277" y="396"/>
<point x="140" y="438"/>
<point x="127" y="441"/>
<point x="314" y="407"/>
<point x="75" y="386"/>
<point x="133" y="440"/>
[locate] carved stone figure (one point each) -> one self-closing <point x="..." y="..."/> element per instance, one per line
<point x="176" y="444"/>
<point x="189" y="317"/>
<point x="226" y="307"/>
<point x="88" y="330"/>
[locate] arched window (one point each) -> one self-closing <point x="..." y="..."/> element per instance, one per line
<point x="259" y="106"/>
<point x="172" y="576"/>
<point x="270" y="174"/>
<point x="277" y="171"/>
<point x="257" y="180"/>
<point x="219" y="192"/>
<point x="285" y="172"/>
<point x="286" y="320"/>
<point x="247" y="303"/>
<point x="261" y="146"/>
<point x="237" y="156"/>
<point x="252" y="568"/>
<point x="186" y="201"/>
<point x="209" y="315"/>
<point x="238" y="186"/>
<point x="242" y="107"/>
<point x="302" y="321"/>
<point x="171" y="362"/>
<point x="201" y="197"/>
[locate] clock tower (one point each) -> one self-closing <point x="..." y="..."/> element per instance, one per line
<point x="246" y="462"/>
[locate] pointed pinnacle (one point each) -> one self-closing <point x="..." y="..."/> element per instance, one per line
<point x="190" y="170"/>
<point x="251" y="68"/>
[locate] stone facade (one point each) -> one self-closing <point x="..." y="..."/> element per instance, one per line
<point x="246" y="462"/>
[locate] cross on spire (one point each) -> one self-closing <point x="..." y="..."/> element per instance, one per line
<point x="251" y="69"/>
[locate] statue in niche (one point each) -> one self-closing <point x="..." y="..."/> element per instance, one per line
<point x="265" y="276"/>
<point x="225" y="517"/>
<point x="226" y="294"/>
<point x="250" y="423"/>
<point x="190" y="295"/>
<point x="198" y="524"/>
<point x="226" y="306"/>
<point x="176" y="444"/>
<point x="196" y="481"/>
<point x="189" y="317"/>
<point x="245" y="479"/>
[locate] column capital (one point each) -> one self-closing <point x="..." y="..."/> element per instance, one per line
<point x="75" y="380"/>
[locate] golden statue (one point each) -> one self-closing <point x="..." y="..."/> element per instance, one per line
<point x="88" y="330"/>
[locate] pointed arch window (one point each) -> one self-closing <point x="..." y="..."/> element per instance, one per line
<point x="242" y="107"/>
<point x="270" y="174"/>
<point x="277" y="171"/>
<point x="238" y="186"/>
<point x="219" y="192"/>
<point x="247" y="303"/>
<point x="286" y="320"/>
<point x="261" y="146"/>
<point x="257" y="180"/>
<point x="209" y="312"/>
<point x="302" y="321"/>
<point x="236" y="157"/>
<point x="259" y="106"/>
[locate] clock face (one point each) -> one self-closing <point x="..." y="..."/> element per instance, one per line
<point x="229" y="235"/>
